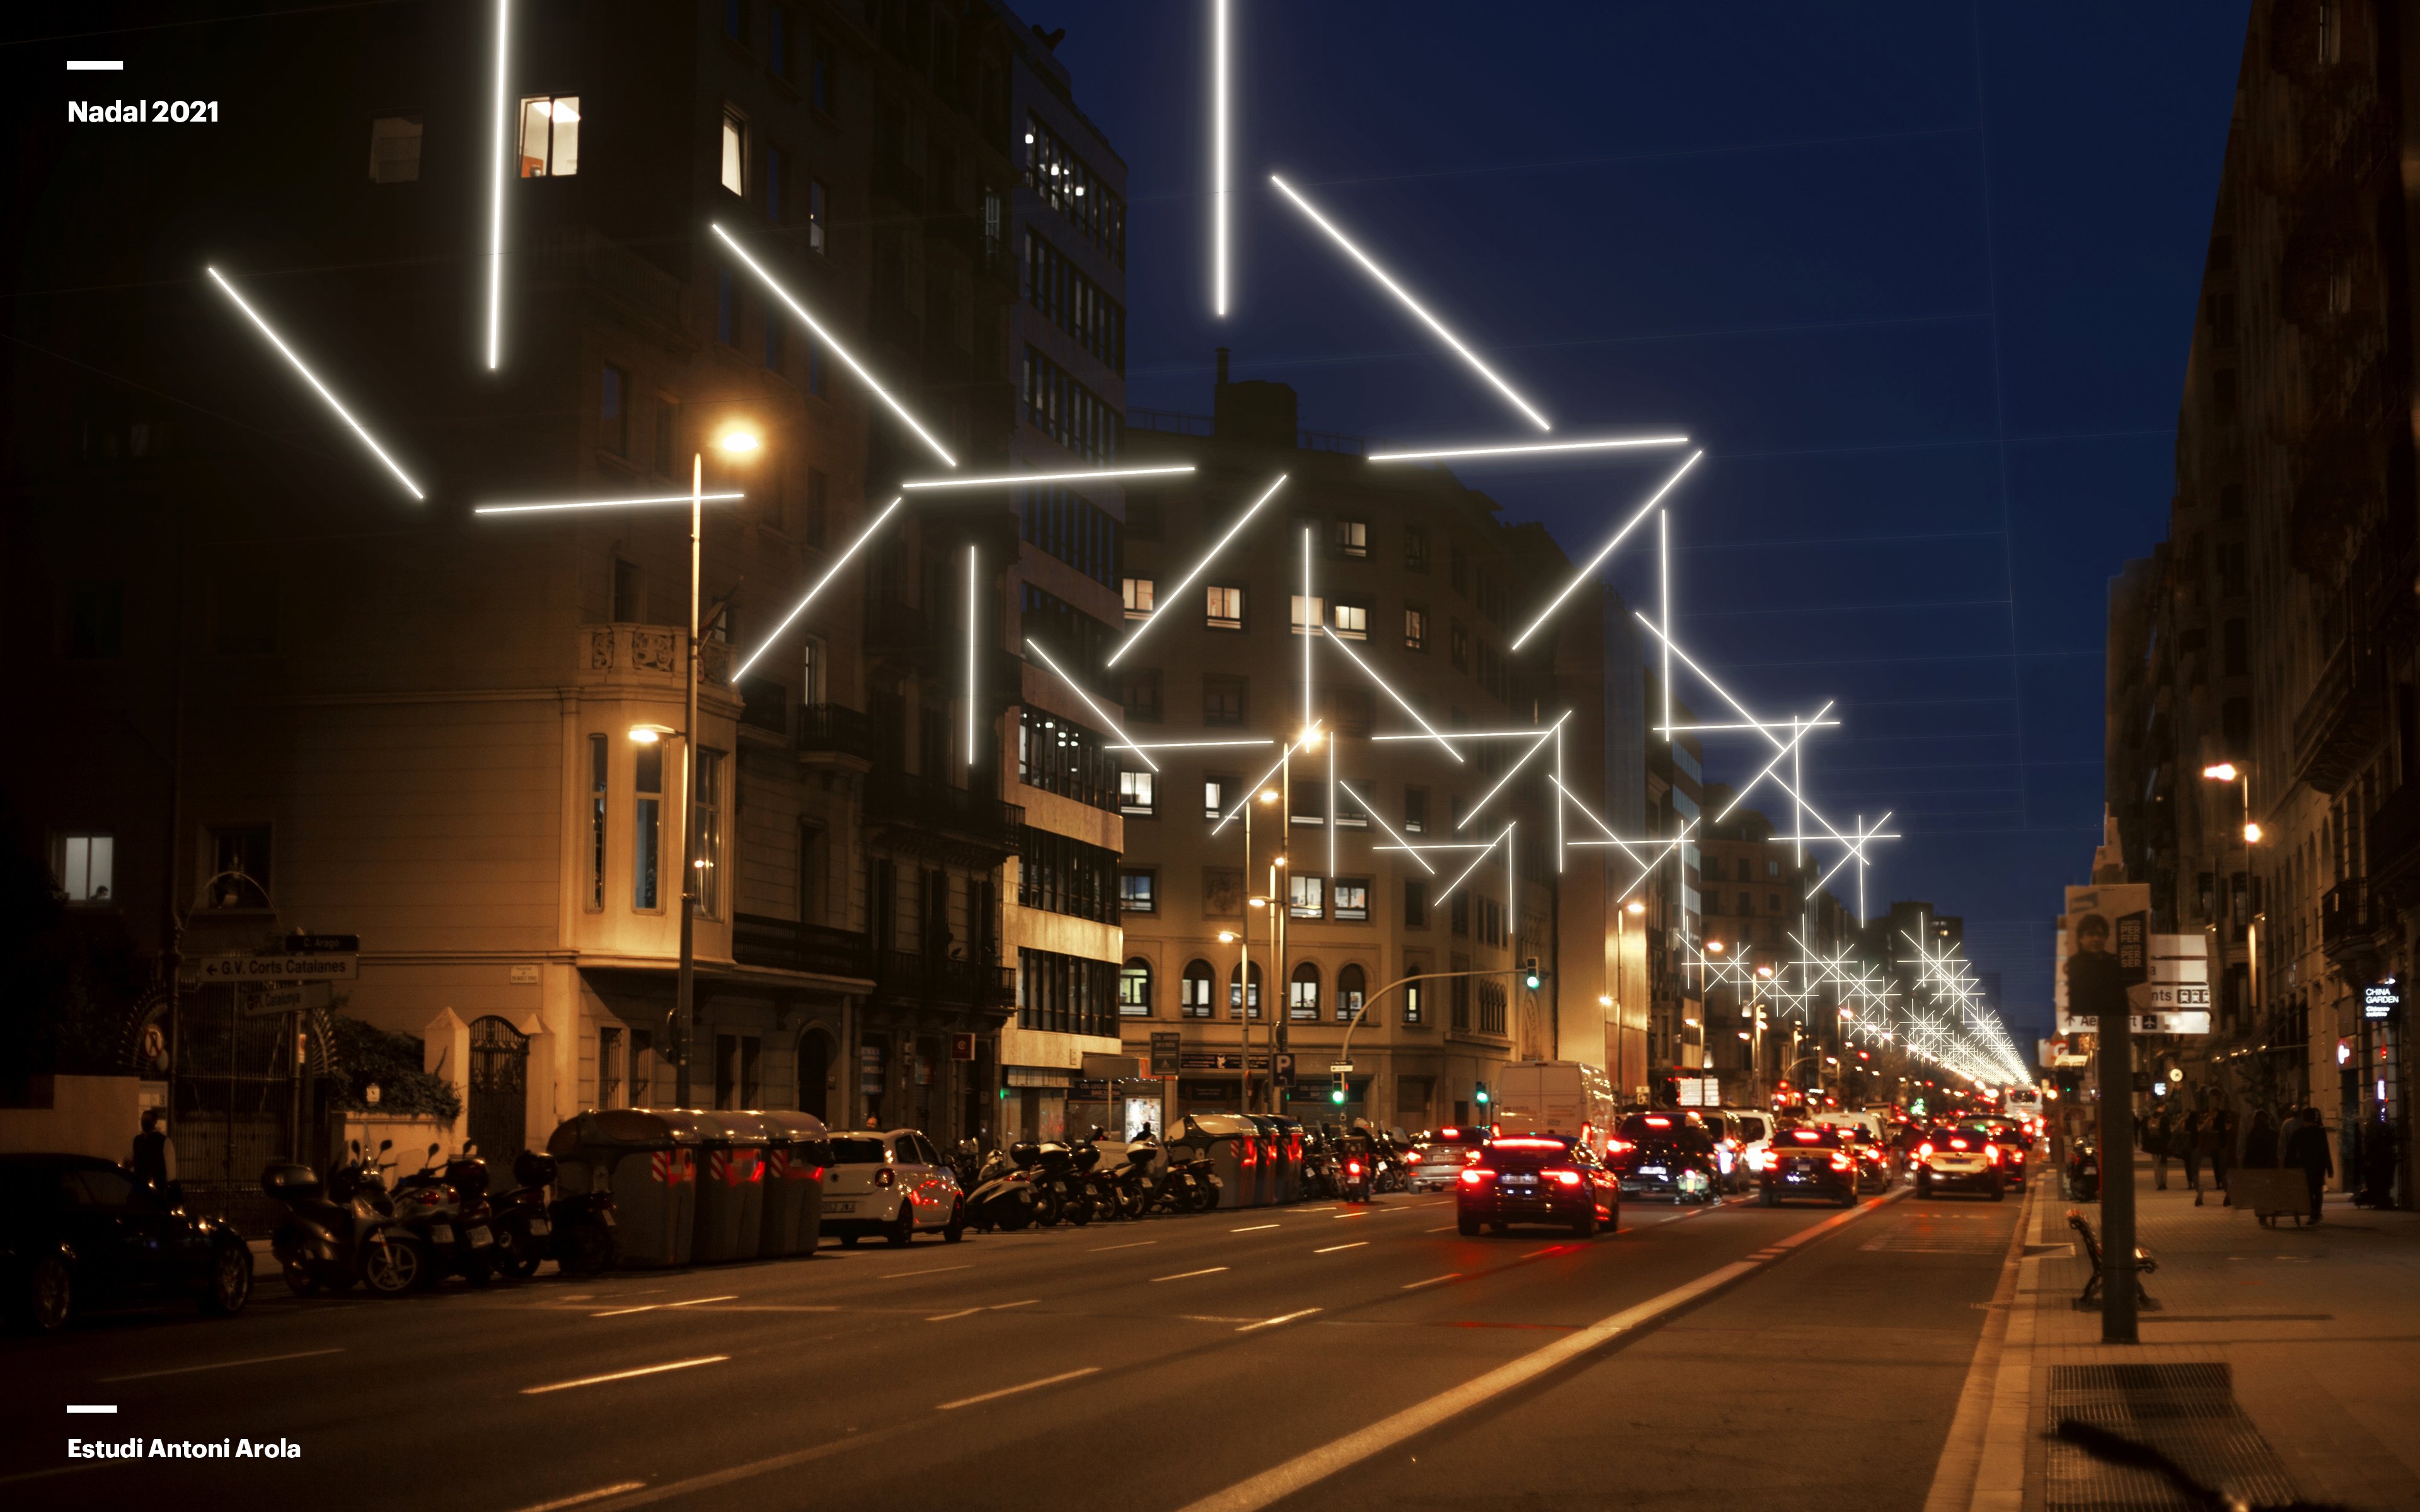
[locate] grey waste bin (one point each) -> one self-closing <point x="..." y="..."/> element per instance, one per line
<point x="795" y="1160"/>
<point x="730" y="1185"/>
<point x="647" y="1159"/>
<point x="1231" y="1144"/>
<point x="1289" y="1161"/>
<point x="1266" y="1183"/>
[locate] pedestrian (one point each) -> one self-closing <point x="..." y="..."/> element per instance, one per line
<point x="2188" y="1136"/>
<point x="2221" y="1146"/>
<point x="2260" y="1141"/>
<point x="2156" y="1141"/>
<point x="2286" y="1128"/>
<point x="2377" y="1162"/>
<point x="2310" y="1152"/>
<point x="155" y="1153"/>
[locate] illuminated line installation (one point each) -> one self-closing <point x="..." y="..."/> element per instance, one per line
<point x="1585" y="573"/>
<point x="1306" y="738"/>
<point x="1399" y="701"/>
<point x="821" y="583"/>
<point x="1503" y="836"/>
<point x="837" y="350"/>
<point x="496" y="211"/>
<point x="1397" y="290"/>
<point x="1311" y="627"/>
<point x="1606" y="443"/>
<point x="1099" y="713"/>
<point x="1079" y="475"/>
<point x="1514" y="770"/>
<point x="1190" y="744"/>
<point x="1372" y="810"/>
<point x="1752" y="725"/>
<point x="607" y="504"/>
<point x="287" y="353"/>
<point x="974" y="603"/>
<point x="1178" y="594"/>
<point x="1219" y="157"/>
<point x="1788" y="749"/>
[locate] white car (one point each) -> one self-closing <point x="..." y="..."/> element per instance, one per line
<point x="1437" y="1157"/>
<point x="1753" y="1130"/>
<point x="893" y="1183"/>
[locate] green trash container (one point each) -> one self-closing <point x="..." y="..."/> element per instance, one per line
<point x="647" y="1159"/>
<point x="795" y="1160"/>
<point x="730" y="1185"/>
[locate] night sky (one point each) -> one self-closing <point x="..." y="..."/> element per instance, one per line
<point x="1921" y="280"/>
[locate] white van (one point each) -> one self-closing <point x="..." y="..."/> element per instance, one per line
<point x="1564" y="1097"/>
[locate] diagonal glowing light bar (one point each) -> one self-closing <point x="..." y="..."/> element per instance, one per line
<point x="1475" y="863"/>
<point x="1852" y="855"/>
<point x="496" y="210"/>
<point x="1259" y="781"/>
<point x="1397" y="290"/>
<point x="606" y="503"/>
<point x="1647" y="871"/>
<point x="1079" y="474"/>
<point x="1664" y="606"/>
<point x="1190" y="744"/>
<point x="821" y="583"/>
<point x="837" y="350"/>
<point x="1397" y="696"/>
<point x="1219" y="157"/>
<point x="1372" y="810"/>
<point x="1598" y="560"/>
<point x="1741" y="796"/>
<point x="1514" y="770"/>
<point x="973" y="603"/>
<point x="287" y="353"/>
<point x="1099" y="713"/>
<point x="1760" y="725"/>
<point x="1608" y="443"/>
<point x="1530" y="733"/>
<point x="1176" y="595"/>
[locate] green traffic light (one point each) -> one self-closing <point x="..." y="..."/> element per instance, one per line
<point x="1336" y="1096"/>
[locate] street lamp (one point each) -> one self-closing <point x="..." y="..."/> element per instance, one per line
<point x="2230" y="772"/>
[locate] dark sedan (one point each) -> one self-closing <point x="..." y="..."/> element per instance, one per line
<point x="79" y="1235"/>
<point x="1665" y="1155"/>
<point x="1536" y="1178"/>
<point x="1810" y="1161"/>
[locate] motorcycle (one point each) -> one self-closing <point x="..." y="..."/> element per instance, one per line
<point x="447" y="1210"/>
<point x="1003" y="1195"/>
<point x="520" y="1219"/>
<point x="1357" y="1167"/>
<point x="343" y="1231"/>
<point x="2084" y="1172"/>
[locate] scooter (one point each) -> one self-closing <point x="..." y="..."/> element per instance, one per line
<point x="342" y="1231"/>
<point x="1003" y="1195"/>
<point x="447" y="1209"/>
<point x="2084" y="1172"/>
<point x="519" y="1218"/>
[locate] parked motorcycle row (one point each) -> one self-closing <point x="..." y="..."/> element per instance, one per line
<point x="353" y="1227"/>
<point x="1075" y="1181"/>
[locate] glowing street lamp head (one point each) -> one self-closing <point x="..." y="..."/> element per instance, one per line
<point x="2221" y="771"/>
<point x="1268" y="794"/>
<point x="1714" y="947"/>
<point x="1260" y="903"/>
<point x="1634" y="908"/>
<point x="740" y="440"/>
<point x="1604" y="1001"/>
<point x="1226" y="936"/>
<point x="2251" y="834"/>
<point x="1765" y="972"/>
<point x="1310" y="738"/>
<point x="647" y="735"/>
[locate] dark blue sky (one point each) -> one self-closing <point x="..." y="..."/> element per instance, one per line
<point x="1920" y="278"/>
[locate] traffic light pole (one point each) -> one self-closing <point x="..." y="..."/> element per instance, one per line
<point x="1370" y="1004"/>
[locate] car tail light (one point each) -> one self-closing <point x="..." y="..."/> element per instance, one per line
<point x="1567" y="1178"/>
<point x="1616" y="1147"/>
<point x="1474" y="1175"/>
<point x="1991" y="1154"/>
<point x="1924" y="1151"/>
<point x="886" y="1177"/>
<point x="1957" y="1144"/>
<point x="1840" y="1162"/>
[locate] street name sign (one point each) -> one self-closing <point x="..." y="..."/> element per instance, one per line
<point x="332" y="967"/>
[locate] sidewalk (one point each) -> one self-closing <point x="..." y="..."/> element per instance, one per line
<point x="2276" y="1362"/>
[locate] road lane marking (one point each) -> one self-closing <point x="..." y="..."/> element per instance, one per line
<point x="1431" y="1281"/>
<point x="1182" y="1276"/>
<point x="1272" y="1323"/>
<point x="1010" y="1391"/>
<point x="624" y="1375"/>
<point x="930" y="1269"/>
<point x="1252" y="1228"/>
<point x="599" y="1493"/>
<point x="1552" y="1249"/>
<point x="73" y="1409"/>
<point x="1333" y="1248"/>
<point x="1285" y="1479"/>
<point x="1442" y="1227"/>
<point x="1003" y="1306"/>
<point x="648" y="1307"/>
<point x="943" y="1317"/>
<point x="223" y="1365"/>
<point x="1363" y="1213"/>
<point x="1137" y="1245"/>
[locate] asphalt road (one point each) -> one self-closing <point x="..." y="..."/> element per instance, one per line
<point x="1351" y="1357"/>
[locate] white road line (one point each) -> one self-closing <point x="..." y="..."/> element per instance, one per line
<point x="1333" y="1248"/>
<point x="1443" y="1227"/>
<point x="1137" y="1245"/>
<point x="223" y="1365"/>
<point x="1363" y="1213"/>
<point x="930" y="1269"/>
<point x="1272" y="1323"/>
<point x="943" y="1317"/>
<point x="74" y="1410"/>
<point x="648" y="1307"/>
<point x="1182" y="1276"/>
<point x="1284" y="1480"/>
<point x="1431" y="1281"/>
<point x="1252" y="1228"/>
<point x="600" y="1492"/>
<point x="1010" y="1391"/>
<point x="624" y="1375"/>
<point x="1003" y="1306"/>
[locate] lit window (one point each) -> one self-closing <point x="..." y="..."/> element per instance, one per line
<point x="1137" y="891"/>
<point x="1135" y="793"/>
<point x="85" y="867"/>
<point x="550" y="136"/>
<point x="239" y="867"/>
<point x="1194" y="992"/>
<point x="647" y="833"/>
<point x="1306" y="896"/>
<point x="1416" y="630"/>
<point x="1214" y="796"/>
<point x="1352" y="989"/>
<point x="1352" y="622"/>
<point x="734" y="154"/>
<point x="1353" y="897"/>
<point x="1302" y="993"/>
<point x="1304" y="619"/>
<point x="1226" y="609"/>
<point x="1138" y="595"/>
<point x="394" y="150"/>
<point x="1352" y="537"/>
<point x="705" y="853"/>
<point x="1134" y="988"/>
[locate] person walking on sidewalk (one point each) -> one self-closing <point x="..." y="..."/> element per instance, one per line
<point x="154" y="1158"/>
<point x="2191" y="1129"/>
<point x="2156" y="1140"/>
<point x="2221" y="1145"/>
<point x="2260" y="1141"/>
<point x="2308" y="1149"/>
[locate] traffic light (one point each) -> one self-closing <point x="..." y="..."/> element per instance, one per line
<point x="1481" y="1094"/>
<point x="1530" y="974"/>
<point x="1336" y="1093"/>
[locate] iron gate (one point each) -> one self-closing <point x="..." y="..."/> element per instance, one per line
<point x="499" y="1091"/>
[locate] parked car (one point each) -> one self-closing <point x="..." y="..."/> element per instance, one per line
<point x="80" y="1235"/>
<point x="1438" y="1154"/>
<point x="1537" y="1179"/>
<point x="893" y="1185"/>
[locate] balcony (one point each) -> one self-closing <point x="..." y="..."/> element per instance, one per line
<point x="2341" y="722"/>
<point x="920" y="807"/>
<point x="831" y="729"/>
<point x="904" y="976"/>
<point x="2352" y="924"/>
<point x="786" y="945"/>
<point x="2392" y="843"/>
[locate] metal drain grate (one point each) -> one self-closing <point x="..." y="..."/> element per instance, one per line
<point x="2186" y="1412"/>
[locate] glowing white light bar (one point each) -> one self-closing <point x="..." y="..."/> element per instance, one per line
<point x="1441" y="846"/>
<point x="496" y="210"/>
<point x="1176" y="595"/>
<point x="1219" y="157"/>
<point x="1192" y="745"/>
<point x="1648" y="868"/>
<point x="1514" y="771"/>
<point x="837" y="350"/>
<point x="1078" y="475"/>
<point x="287" y="353"/>
<point x="1476" y="862"/>
<point x="1741" y="796"/>
<point x="1598" y="560"/>
<point x="1399" y="699"/>
<point x="1335" y="819"/>
<point x="1826" y="840"/>
<point x="1852" y="853"/>
<point x="1664" y="606"/>
<point x="973" y="603"/>
<point x="1310" y="615"/>
<point x="821" y="583"/>
<point x="1759" y="725"/>
<point x="1372" y="810"/>
<point x="1250" y="792"/>
<point x="1397" y="290"/>
<point x="1099" y="713"/>
<point x="1530" y="733"/>
<point x="1609" y="443"/>
<point x="606" y="503"/>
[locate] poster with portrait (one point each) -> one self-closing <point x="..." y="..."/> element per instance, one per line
<point x="2110" y="924"/>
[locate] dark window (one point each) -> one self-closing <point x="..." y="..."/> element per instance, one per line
<point x="1068" y="413"/>
<point x="1139" y="892"/>
<point x="96" y="621"/>
<point x="777" y="185"/>
<point x="1461" y="913"/>
<point x="1066" y="877"/>
<point x="1226" y="699"/>
<point x="1142" y="695"/>
<point x="1416" y="810"/>
<point x="240" y="866"/>
<point x="247" y="614"/>
<point x="726" y="308"/>
<point x="1069" y="186"/>
<point x="1065" y="993"/>
<point x="1195" y="993"/>
<point x="818" y="217"/>
<point x="394" y="150"/>
<point x="823" y="85"/>
<point x="1072" y="527"/>
<point x="667" y="421"/>
<point x="1060" y="756"/>
<point x="1353" y="709"/>
<point x="780" y="30"/>
<point x="1062" y="294"/>
<point x="1416" y="550"/>
<point x="818" y="505"/>
<point x="1416" y="903"/>
<point x="773" y="344"/>
<point x="626" y="607"/>
<point x="818" y="374"/>
<point x="1352" y="991"/>
<point x="1073" y="637"/>
<point x="735" y="20"/>
<point x="2235" y="649"/>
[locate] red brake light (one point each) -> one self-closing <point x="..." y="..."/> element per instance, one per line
<point x="1352" y="1167"/>
<point x="1957" y="1144"/>
<point x="1841" y="1161"/>
<point x="1805" y="1137"/>
<point x="1567" y="1178"/>
<point x="1473" y="1175"/>
<point x="1615" y="1147"/>
<point x="1924" y="1151"/>
<point x="1529" y="1144"/>
<point x="1449" y="1133"/>
<point x="1655" y="1122"/>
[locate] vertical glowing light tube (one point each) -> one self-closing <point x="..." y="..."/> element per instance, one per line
<point x="1797" y="804"/>
<point x="1664" y="573"/>
<point x="974" y="615"/>
<point x="1558" y="807"/>
<point x="1311" y="628"/>
<point x="1332" y="815"/>
<point x="1219" y="157"/>
<point x="496" y="208"/>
